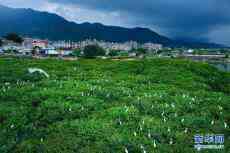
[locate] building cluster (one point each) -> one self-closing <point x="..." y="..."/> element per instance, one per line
<point x="126" y="46"/>
<point x="46" y="47"/>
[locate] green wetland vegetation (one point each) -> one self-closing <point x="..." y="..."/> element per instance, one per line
<point x="106" y="106"/>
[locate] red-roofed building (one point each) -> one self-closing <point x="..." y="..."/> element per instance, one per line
<point x="40" y="43"/>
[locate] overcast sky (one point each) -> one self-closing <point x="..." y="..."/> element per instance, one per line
<point x="207" y="20"/>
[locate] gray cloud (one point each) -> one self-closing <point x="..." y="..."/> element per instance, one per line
<point x="196" y="19"/>
<point x="176" y="18"/>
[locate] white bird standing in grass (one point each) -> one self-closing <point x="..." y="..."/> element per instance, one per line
<point x="154" y="144"/>
<point x="164" y="119"/>
<point x="12" y="126"/>
<point x="126" y="150"/>
<point x="141" y="128"/>
<point x="135" y="134"/>
<point x="33" y="70"/>
<point x="143" y="122"/>
<point x="225" y="125"/>
<point x="212" y="122"/>
<point x="220" y="108"/>
<point x="149" y="135"/>
<point x="143" y="148"/>
<point x="126" y="109"/>
<point x="186" y="130"/>
<point x="169" y="130"/>
<point x="3" y="89"/>
<point x="171" y="141"/>
<point x="120" y="123"/>
<point x="162" y="114"/>
<point x="182" y="120"/>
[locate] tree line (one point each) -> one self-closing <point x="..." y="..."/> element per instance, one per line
<point x="12" y="37"/>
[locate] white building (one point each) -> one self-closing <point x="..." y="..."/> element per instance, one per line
<point x="25" y="51"/>
<point x="11" y="47"/>
<point x="50" y="51"/>
<point x="27" y="43"/>
<point x="65" y="44"/>
<point x="152" y="46"/>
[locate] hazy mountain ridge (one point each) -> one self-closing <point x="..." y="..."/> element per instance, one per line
<point x="31" y="23"/>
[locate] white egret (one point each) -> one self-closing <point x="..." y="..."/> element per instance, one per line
<point x="135" y="134"/>
<point x="186" y="130"/>
<point x="126" y="150"/>
<point x="169" y="130"/>
<point x="212" y="122"/>
<point x="33" y="70"/>
<point x="154" y="144"/>
<point x="182" y="120"/>
<point x="171" y="141"/>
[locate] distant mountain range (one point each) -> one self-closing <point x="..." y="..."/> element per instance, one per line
<point x="31" y="23"/>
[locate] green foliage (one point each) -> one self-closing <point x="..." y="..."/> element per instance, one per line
<point x="140" y="51"/>
<point x="200" y="52"/>
<point x="11" y="51"/>
<point x="123" y="54"/>
<point x="102" y="106"/>
<point x="14" y="37"/>
<point x="76" y="53"/>
<point x="93" y="51"/>
<point x="113" y="53"/>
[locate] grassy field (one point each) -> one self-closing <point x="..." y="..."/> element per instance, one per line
<point x="105" y="106"/>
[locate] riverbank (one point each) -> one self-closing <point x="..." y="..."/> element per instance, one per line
<point x="218" y="61"/>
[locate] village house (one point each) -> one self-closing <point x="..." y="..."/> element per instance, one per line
<point x="40" y="43"/>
